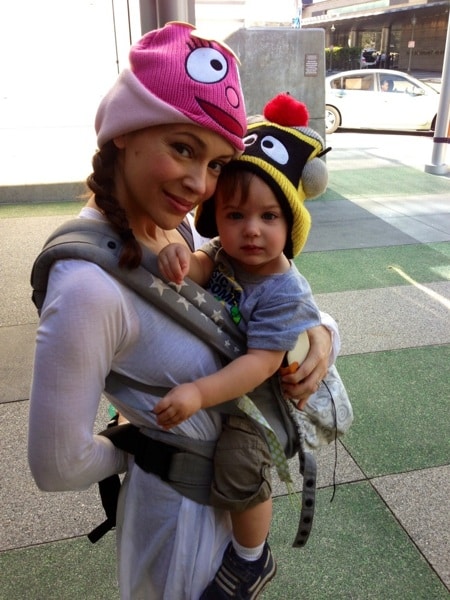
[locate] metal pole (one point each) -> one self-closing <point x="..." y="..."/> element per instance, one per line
<point x="331" y="46"/>
<point x="413" y="24"/>
<point x="441" y="133"/>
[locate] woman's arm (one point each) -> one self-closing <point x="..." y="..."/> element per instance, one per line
<point x="324" y="345"/>
<point x="329" y="323"/>
<point x="80" y="327"/>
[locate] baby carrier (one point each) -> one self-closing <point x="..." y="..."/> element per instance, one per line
<point x="185" y="463"/>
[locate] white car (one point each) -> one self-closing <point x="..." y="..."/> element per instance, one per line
<point x="379" y="99"/>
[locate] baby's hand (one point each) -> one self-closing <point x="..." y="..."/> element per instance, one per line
<point x="178" y="405"/>
<point x="174" y="261"/>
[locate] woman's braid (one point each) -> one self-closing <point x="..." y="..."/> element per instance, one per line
<point x="101" y="183"/>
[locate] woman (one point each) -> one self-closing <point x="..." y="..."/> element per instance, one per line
<point x="164" y="131"/>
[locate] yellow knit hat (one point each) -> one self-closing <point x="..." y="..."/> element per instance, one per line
<point x="285" y="153"/>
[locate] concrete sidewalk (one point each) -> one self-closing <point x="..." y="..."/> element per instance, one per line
<point x="378" y="260"/>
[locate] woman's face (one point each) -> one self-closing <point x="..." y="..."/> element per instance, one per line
<point x="163" y="172"/>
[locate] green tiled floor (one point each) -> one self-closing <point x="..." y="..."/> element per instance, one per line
<point x="366" y="268"/>
<point x="387" y="180"/>
<point x="40" y="210"/>
<point x="400" y="399"/>
<point x="71" y="569"/>
<point x="357" y="551"/>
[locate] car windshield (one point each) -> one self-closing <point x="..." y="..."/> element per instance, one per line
<point x="433" y="85"/>
<point x="401" y="85"/>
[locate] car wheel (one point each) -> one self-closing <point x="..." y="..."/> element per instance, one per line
<point x="332" y="119"/>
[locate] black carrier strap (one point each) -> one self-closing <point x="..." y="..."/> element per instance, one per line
<point x="95" y="241"/>
<point x="189" y="472"/>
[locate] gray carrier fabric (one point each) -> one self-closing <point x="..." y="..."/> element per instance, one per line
<point x="95" y="241"/>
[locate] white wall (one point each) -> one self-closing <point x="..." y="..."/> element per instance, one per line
<point x="58" y="58"/>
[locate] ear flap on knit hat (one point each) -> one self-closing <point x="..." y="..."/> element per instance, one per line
<point x="287" y="153"/>
<point x="176" y="75"/>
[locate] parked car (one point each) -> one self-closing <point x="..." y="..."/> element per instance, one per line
<point x="379" y="99"/>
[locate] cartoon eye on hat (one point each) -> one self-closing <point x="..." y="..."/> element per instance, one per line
<point x="285" y="153"/>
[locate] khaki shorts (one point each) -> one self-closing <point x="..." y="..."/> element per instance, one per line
<point x="242" y="466"/>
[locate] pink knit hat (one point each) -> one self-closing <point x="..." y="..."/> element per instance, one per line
<point x="175" y="76"/>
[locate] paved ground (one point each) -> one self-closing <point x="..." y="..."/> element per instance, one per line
<point x="378" y="259"/>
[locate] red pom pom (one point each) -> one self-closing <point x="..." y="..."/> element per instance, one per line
<point x="287" y="111"/>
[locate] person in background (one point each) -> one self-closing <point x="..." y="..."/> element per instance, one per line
<point x="386" y="85"/>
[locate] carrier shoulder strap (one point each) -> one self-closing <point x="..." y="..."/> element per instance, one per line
<point x="95" y="241"/>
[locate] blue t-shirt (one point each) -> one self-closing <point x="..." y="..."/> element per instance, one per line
<point x="272" y="310"/>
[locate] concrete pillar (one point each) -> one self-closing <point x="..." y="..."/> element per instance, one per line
<point x="385" y="38"/>
<point x="352" y="41"/>
<point x="275" y="60"/>
<point x="149" y="19"/>
<point x="156" y="13"/>
<point x="175" y="10"/>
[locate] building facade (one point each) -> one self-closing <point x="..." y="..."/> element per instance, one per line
<point x="413" y="33"/>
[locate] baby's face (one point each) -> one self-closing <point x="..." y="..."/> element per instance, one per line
<point x="253" y="229"/>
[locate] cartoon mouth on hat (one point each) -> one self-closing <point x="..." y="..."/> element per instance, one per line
<point x="221" y="117"/>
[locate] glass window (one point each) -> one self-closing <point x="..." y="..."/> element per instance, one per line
<point x="360" y="83"/>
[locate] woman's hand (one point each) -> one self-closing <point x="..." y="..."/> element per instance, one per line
<point x="306" y="380"/>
